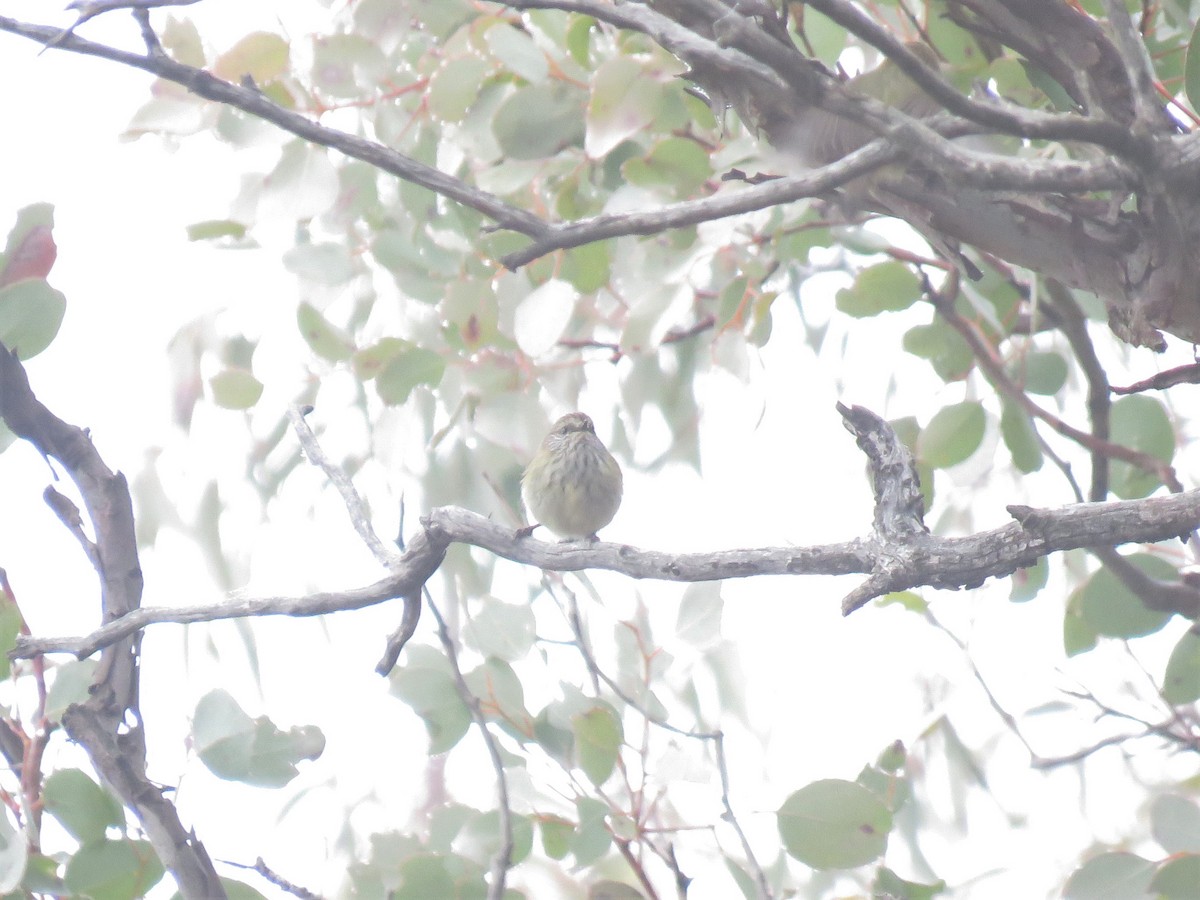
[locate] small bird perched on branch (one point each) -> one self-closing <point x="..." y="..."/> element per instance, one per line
<point x="572" y="485"/>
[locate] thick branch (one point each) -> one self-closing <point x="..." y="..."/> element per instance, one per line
<point x="123" y="769"/>
<point x="108" y="724"/>
<point x="415" y="567"/>
<point x="1007" y="118"/>
<point x="927" y="560"/>
<point x="1073" y="324"/>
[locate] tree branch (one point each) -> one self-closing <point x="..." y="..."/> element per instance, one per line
<point x="250" y="100"/>
<point x="897" y="557"/>
<point x="1073" y="324"/>
<point x="108" y="724"/>
<point x="993" y="368"/>
<point x="1006" y="119"/>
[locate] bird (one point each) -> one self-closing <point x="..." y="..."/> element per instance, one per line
<point x="573" y="484"/>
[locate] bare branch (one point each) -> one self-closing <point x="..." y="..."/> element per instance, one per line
<point x="108" y="724"/>
<point x="418" y="564"/>
<point x="1006" y="119"/>
<point x="892" y="565"/>
<point x="360" y="517"/>
<point x="993" y="368"/>
<point x="502" y="858"/>
<point x="1160" y="381"/>
<point x="1155" y="593"/>
<point x="717" y="737"/>
<point x="1073" y="323"/>
<point x="260" y="866"/>
<point x="256" y="103"/>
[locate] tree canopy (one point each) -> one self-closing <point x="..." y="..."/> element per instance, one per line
<point x="695" y="220"/>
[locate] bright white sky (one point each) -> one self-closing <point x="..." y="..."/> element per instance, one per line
<point x="778" y="468"/>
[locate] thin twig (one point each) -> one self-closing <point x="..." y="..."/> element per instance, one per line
<point x="502" y="860"/>
<point x="360" y="516"/>
<point x="716" y="738"/>
<point x="1074" y="325"/>
<point x="993" y="368"/>
<point x="260" y="866"/>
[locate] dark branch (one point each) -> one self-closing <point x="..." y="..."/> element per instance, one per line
<point x="108" y="724"/>
<point x="256" y="103"/>
<point x="892" y="564"/>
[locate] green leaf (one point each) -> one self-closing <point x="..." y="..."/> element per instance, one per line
<point x="81" y="806"/>
<point x="893" y="757"/>
<point x="30" y="250"/>
<point x="30" y="314"/>
<point x="114" y="870"/>
<point x="558" y="742"/>
<point x="587" y="268"/>
<point x="322" y="338"/>
<point x="1181" y="683"/>
<point x="237" y="748"/>
<point x="182" y="40"/>
<point x="238" y="890"/>
<point x="1078" y="635"/>
<point x="423" y="876"/>
<point x="498" y="687"/>
<point x="592" y="838"/>
<point x="426" y="685"/>
<point x="214" y="229"/>
<point x="1141" y="423"/>
<point x="891" y="787"/>
<point x="578" y="39"/>
<point x="480" y="837"/>
<point x="539" y="120"/>
<point x="1177" y="879"/>
<point x="347" y="66"/>
<point x="502" y="630"/>
<point x="326" y="263"/>
<point x="14" y="856"/>
<point x="952" y="435"/>
<point x="834" y="824"/>
<point x="1020" y="436"/>
<point x="455" y="86"/>
<point x="909" y="600"/>
<point x="542" y="316"/>
<point x="943" y="347"/>
<point x="598" y="737"/>
<point x="678" y="164"/>
<point x="41" y="874"/>
<point x="1042" y="372"/>
<point x="885" y="287"/>
<point x="516" y="50"/>
<point x="699" y="620"/>
<point x="625" y="99"/>
<point x="889" y="884"/>
<point x="1125" y="874"/>
<point x="1191" y="69"/>
<point x="303" y="184"/>
<point x="1175" y="822"/>
<point x="235" y="389"/>
<point x="10" y="626"/>
<point x="1112" y="610"/>
<point x="370" y="361"/>
<point x="72" y="680"/>
<point x="260" y="55"/>
<point x="1027" y="582"/>
<point x="408" y="369"/>
<point x="607" y="889"/>
<point x="556" y="836"/>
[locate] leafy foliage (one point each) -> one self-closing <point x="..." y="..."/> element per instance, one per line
<point x="610" y="724"/>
